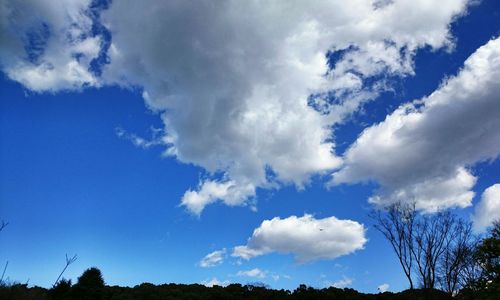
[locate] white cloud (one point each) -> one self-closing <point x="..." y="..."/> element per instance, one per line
<point x="383" y="288"/>
<point x="139" y="141"/>
<point x="424" y="150"/>
<point x="342" y="283"/>
<point x="214" y="281"/>
<point x="213" y="259"/>
<point x="48" y="46"/>
<point x="305" y="237"/>
<point x="488" y="209"/>
<point x="256" y="272"/>
<point x="211" y="191"/>
<point x="232" y="79"/>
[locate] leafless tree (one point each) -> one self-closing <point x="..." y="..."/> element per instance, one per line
<point x="69" y="261"/>
<point x="397" y="224"/>
<point x="455" y="263"/>
<point x="435" y="248"/>
<point x="431" y="236"/>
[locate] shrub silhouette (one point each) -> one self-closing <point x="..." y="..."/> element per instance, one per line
<point x="90" y="285"/>
<point x="61" y="290"/>
<point x="91" y="278"/>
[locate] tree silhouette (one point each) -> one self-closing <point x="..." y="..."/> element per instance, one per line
<point x="488" y="257"/>
<point x="397" y="223"/>
<point x="61" y="290"/>
<point x="91" y="278"/>
<point x="90" y="285"/>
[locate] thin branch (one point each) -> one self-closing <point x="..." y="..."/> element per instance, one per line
<point x="69" y="261"/>
<point x="4" y="269"/>
<point x="3" y="225"/>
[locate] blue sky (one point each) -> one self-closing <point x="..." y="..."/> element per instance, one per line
<point x="144" y="143"/>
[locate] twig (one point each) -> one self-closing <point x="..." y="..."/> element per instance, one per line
<point x="69" y="261"/>
<point x="4" y="269"/>
<point x="3" y="225"/>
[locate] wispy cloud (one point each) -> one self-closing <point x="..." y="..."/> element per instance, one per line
<point x="256" y="272"/>
<point x="342" y="283"/>
<point x="155" y="140"/>
<point x="213" y="259"/>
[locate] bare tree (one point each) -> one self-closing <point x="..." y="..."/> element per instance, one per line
<point x="435" y="248"/>
<point x="69" y="261"/>
<point x="455" y="262"/>
<point x="397" y="224"/>
<point x="431" y="234"/>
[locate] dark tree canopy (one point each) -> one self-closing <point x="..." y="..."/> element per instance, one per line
<point x="91" y="278"/>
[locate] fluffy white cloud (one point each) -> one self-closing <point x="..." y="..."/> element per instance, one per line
<point x="342" y="283"/>
<point x="211" y="191"/>
<point x="306" y="237"/>
<point x="213" y="259"/>
<point x="488" y="209"/>
<point x="48" y="46"/>
<point x="233" y="80"/>
<point x="423" y="151"/>
<point x="383" y="287"/>
<point x="256" y="272"/>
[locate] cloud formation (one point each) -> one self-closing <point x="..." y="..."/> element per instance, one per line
<point x="423" y="151"/>
<point x="245" y="90"/>
<point x="48" y="46"/>
<point x="383" y="287"/>
<point x="342" y="283"/>
<point x="256" y="272"/>
<point x="488" y="209"/>
<point x="307" y="238"/>
<point x="213" y="259"/>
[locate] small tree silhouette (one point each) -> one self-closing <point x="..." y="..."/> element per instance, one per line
<point x="90" y="285"/>
<point x="91" y="278"/>
<point x="61" y="290"/>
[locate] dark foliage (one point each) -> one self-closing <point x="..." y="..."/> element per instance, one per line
<point x="91" y="286"/>
<point x="487" y="258"/>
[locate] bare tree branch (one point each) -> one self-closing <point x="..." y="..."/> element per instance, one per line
<point x="4" y="269"/>
<point x="3" y="225"/>
<point x="69" y="261"/>
<point x="396" y="223"/>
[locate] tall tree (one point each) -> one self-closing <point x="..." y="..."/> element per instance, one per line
<point x="455" y="261"/>
<point x="430" y="235"/>
<point x="397" y="224"/>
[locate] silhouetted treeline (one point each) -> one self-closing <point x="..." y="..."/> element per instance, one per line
<point x="147" y="291"/>
<point x="90" y="286"/>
